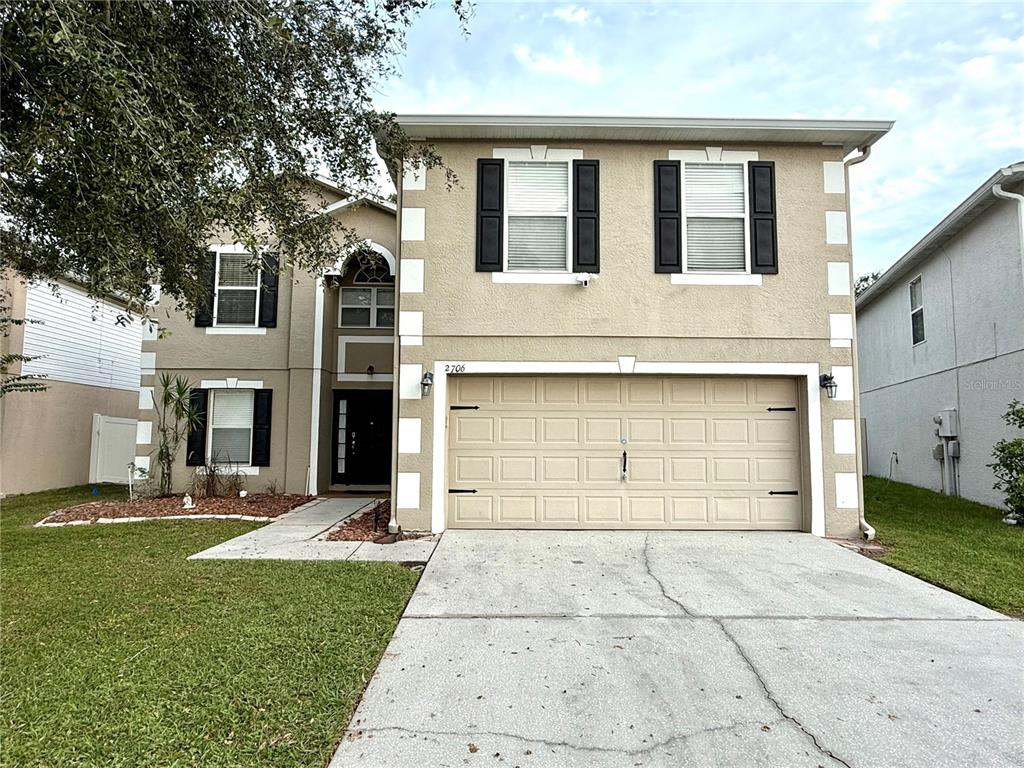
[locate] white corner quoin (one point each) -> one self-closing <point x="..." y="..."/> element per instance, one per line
<point x="809" y="372"/>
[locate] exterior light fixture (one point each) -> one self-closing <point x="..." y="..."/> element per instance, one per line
<point x="426" y="383"/>
<point x="369" y="370"/>
<point x="828" y="383"/>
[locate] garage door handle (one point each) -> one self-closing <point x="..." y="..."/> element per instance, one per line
<point x="773" y="410"/>
<point x="783" y="493"/>
<point x="625" y="464"/>
<point x="462" y="490"/>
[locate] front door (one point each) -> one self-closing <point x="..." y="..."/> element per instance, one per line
<point x="362" y="437"/>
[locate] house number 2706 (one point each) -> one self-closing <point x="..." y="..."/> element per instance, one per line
<point x="455" y="368"/>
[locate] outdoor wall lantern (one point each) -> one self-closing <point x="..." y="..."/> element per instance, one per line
<point x="369" y="370"/>
<point x="426" y="383"/>
<point x="828" y="383"/>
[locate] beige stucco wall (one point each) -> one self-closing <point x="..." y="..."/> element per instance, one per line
<point x="627" y="309"/>
<point x="282" y="359"/>
<point x="46" y="437"/>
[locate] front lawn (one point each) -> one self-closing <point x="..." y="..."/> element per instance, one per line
<point x="956" y="544"/>
<point x="116" y="651"/>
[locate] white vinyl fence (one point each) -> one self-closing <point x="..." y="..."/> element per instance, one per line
<point x="113" y="449"/>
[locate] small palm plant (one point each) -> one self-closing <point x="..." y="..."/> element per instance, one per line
<point x="176" y="416"/>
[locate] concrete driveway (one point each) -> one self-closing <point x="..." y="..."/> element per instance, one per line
<point x="686" y="649"/>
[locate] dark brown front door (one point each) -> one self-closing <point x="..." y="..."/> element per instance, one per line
<point x="362" y="437"/>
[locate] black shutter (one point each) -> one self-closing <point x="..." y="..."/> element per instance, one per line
<point x="195" y="448"/>
<point x="262" y="403"/>
<point x="268" y="291"/>
<point x="204" y="310"/>
<point x="667" y="217"/>
<point x="764" y="242"/>
<point x="585" y="212"/>
<point x="490" y="209"/>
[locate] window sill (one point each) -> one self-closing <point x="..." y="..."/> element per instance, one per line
<point x="231" y="469"/>
<point x="537" y="278"/>
<point x="692" y="278"/>
<point x="235" y="330"/>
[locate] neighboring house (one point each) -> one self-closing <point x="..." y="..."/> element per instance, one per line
<point x="619" y="323"/>
<point x="941" y="336"/>
<point x="293" y="375"/>
<point x="82" y="427"/>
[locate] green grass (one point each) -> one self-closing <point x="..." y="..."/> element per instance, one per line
<point x="956" y="544"/>
<point x="116" y="651"/>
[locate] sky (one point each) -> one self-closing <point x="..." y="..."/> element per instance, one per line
<point x="951" y="75"/>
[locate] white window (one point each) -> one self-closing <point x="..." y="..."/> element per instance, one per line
<point x="367" y="307"/>
<point x="537" y="205"/>
<point x="236" y="300"/>
<point x="916" y="311"/>
<point x="715" y="202"/>
<point x="231" y="427"/>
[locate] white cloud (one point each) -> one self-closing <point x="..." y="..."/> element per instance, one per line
<point x="566" y="64"/>
<point x="978" y="68"/>
<point x="571" y="14"/>
<point x="873" y="41"/>
<point x="881" y="10"/>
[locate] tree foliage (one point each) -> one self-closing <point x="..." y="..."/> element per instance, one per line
<point x="1008" y="466"/>
<point x="865" y="281"/>
<point x="133" y="131"/>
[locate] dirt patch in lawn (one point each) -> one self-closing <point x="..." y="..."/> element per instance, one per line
<point x="258" y="505"/>
<point x="368" y="524"/>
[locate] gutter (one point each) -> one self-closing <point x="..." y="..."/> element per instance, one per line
<point x="865" y="527"/>
<point x="998" y="191"/>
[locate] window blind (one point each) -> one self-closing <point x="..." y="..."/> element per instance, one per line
<point x="538" y="187"/>
<point x="715" y="245"/>
<point x="536" y="243"/>
<point x="714" y="189"/>
<point x="235" y="271"/>
<point x="231" y="427"/>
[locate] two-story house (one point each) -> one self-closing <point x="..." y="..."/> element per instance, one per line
<point x="628" y="323"/>
<point x="942" y="346"/>
<point x="292" y="373"/>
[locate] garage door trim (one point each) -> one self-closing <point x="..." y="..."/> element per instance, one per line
<point x="808" y="372"/>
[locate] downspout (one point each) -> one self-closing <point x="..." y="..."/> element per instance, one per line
<point x="315" y="397"/>
<point x="998" y="191"/>
<point x="865" y="527"/>
<point x="396" y="349"/>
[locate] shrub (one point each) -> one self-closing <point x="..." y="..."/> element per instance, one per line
<point x="1008" y="466"/>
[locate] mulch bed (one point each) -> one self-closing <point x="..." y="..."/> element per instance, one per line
<point x="362" y="526"/>
<point x="266" y="505"/>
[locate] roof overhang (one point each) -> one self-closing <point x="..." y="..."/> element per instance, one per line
<point x="979" y="201"/>
<point x="848" y="134"/>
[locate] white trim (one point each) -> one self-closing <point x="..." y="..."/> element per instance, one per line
<point x="410" y="341"/>
<point x="414" y="176"/>
<point x="142" y="466"/>
<point x="564" y="156"/>
<point x="537" y="278"/>
<point x="512" y="153"/>
<point x="835" y="177"/>
<point x="228" y="328"/>
<point x="150" y="331"/>
<point x="913" y="310"/>
<point x="722" y="278"/>
<point x="407" y="494"/>
<point x="844" y="440"/>
<point x="230" y="383"/>
<point x="847" y="492"/>
<point x="146" y="398"/>
<point x="843" y="374"/>
<point x="627" y="363"/>
<point x="412" y="276"/>
<point x="409" y="435"/>
<point x="234" y="330"/>
<point x="838" y="278"/>
<point x="143" y="432"/>
<point x="808" y="371"/>
<point x="713" y="155"/>
<point x="373" y="306"/>
<point x="413" y="224"/>
<point x="147" y="363"/>
<point x="344" y="340"/>
<point x="318" y="355"/>
<point x="409" y="376"/>
<point x="356" y="201"/>
<point x="536" y="152"/>
<point x="410" y="323"/>
<point x="338" y="268"/>
<point x="835" y="228"/>
<point x="366" y="377"/>
<point x="241" y="469"/>
<point x="840" y="328"/>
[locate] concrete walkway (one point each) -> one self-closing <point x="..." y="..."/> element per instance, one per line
<point x="611" y="649"/>
<point x="301" y="535"/>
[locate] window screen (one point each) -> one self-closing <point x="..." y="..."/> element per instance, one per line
<point x="538" y="216"/>
<point x="231" y="427"/>
<point x="715" y="223"/>
<point x="237" y="286"/>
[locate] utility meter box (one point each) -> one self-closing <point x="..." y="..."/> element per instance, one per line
<point x="938" y="453"/>
<point x="949" y="424"/>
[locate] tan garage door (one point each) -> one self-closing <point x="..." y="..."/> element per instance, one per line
<point x="547" y="452"/>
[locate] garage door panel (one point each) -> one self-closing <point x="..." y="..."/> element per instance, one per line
<point x="475" y="390"/>
<point x="703" y="453"/>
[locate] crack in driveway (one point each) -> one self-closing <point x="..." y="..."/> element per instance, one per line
<point x="661" y="586"/>
<point x="774" y="701"/>
<point x="470" y="734"/>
